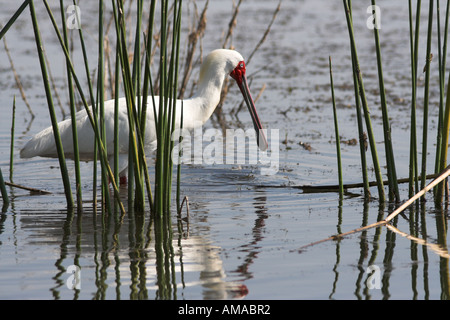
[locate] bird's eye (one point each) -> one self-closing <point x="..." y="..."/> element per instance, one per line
<point x="241" y="65"/>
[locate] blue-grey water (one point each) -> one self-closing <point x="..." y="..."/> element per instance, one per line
<point x="244" y="232"/>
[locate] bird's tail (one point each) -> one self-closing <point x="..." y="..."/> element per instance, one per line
<point x="42" y="144"/>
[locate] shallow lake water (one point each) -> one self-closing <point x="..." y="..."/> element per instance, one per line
<point x="245" y="229"/>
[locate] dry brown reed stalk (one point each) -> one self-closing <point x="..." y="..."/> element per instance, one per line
<point x="322" y="188"/>
<point x="185" y="200"/>
<point x="438" y="249"/>
<point x="194" y="36"/>
<point x="441" y="177"/>
<point x="266" y="33"/>
<point x="55" y="90"/>
<point x="32" y="190"/>
<point x="17" y="78"/>
<point x="232" y="24"/>
<point x="187" y="215"/>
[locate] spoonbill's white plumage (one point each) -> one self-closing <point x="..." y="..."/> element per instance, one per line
<point x="197" y="110"/>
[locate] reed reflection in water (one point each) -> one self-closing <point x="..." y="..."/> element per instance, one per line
<point x="137" y="257"/>
<point x="371" y="249"/>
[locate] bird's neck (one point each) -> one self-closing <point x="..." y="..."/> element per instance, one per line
<point x="208" y="94"/>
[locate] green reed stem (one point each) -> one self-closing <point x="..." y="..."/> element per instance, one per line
<point x="59" y="147"/>
<point x="441" y="149"/>
<point x="133" y="123"/>
<point x="441" y="100"/>
<point x="116" y="118"/>
<point x="161" y="124"/>
<point x="442" y="50"/>
<point x="94" y="109"/>
<point x="3" y="192"/>
<point x="167" y="106"/>
<point x="133" y="118"/>
<point x="362" y="138"/>
<point x="362" y="135"/>
<point x="365" y="106"/>
<point x="92" y="119"/>
<point x="116" y="115"/>
<point x="176" y="58"/>
<point x="11" y="150"/>
<point x="390" y="159"/>
<point x="180" y="153"/>
<point x="426" y="96"/>
<point x="173" y="75"/>
<point x="106" y="203"/>
<point x="14" y="18"/>
<point x="446" y="129"/>
<point x="148" y="84"/>
<point x="336" y="128"/>
<point x="136" y="81"/>
<point x="76" y="152"/>
<point x="414" y="44"/>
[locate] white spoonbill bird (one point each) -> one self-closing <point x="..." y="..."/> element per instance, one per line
<point x="197" y="110"/>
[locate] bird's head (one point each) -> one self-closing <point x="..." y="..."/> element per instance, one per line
<point x="234" y="65"/>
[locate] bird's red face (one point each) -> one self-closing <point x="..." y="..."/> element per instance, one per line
<point x="238" y="74"/>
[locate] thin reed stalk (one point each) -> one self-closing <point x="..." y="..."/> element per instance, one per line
<point x="17" y="78"/>
<point x="445" y="131"/>
<point x="146" y="86"/>
<point x="180" y="154"/>
<point x="136" y="77"/>
<point x="362" y="138"/>
<point x="3" y="192"/>
<point x="266" y="33"/>
<point x="444" y="116"/>
<point x="116" y="116"/>
<point x="59" y="147"/>
<point x="14" y="18"/>
<point x="106" y="203"/>
<point x="165" y="122"/>
<point x="193" y="39"/>
<point x="426" y="97"/>
<point x="94" y="107"/>
<point x="133" y="123"/>
<point x="357" y="71"/>
<point x="442" y="50"/>
<point x="361" y="134"/>
<point x="70" y="87"/>
<point x="31" y="190"/>
<point x="414" y="48"/>
<point x="11" y="150"/>
<point x="336" y="129"/>
<point x="173" y="74"/>
<point x="161" y="122"/>
<point x="390" y="159"/>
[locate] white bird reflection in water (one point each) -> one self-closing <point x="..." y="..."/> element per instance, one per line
<point x="130" y="261"/>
